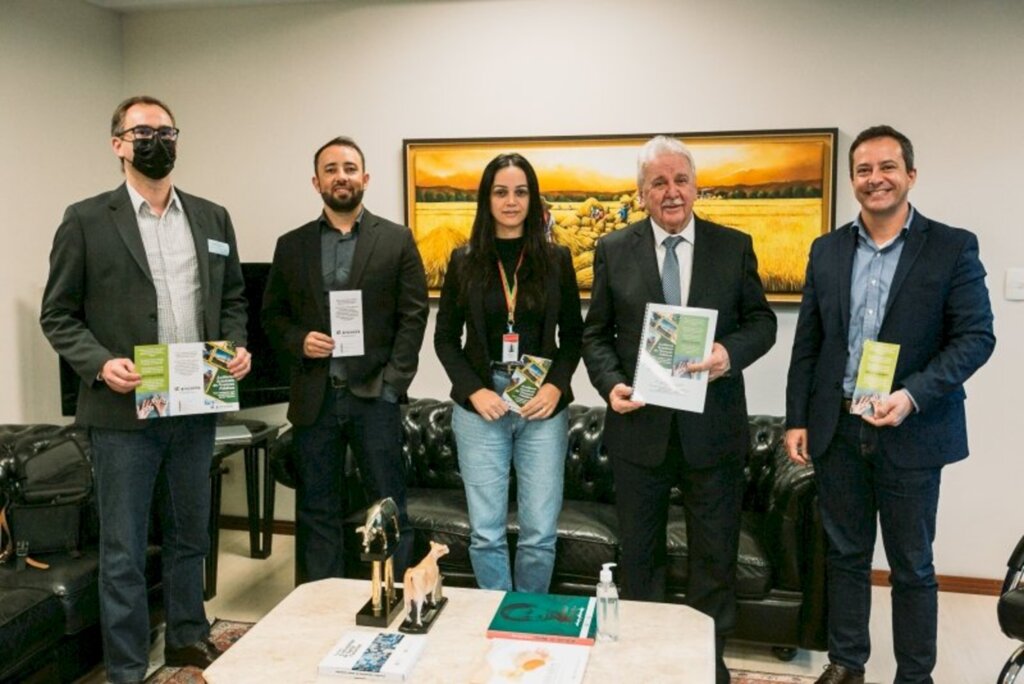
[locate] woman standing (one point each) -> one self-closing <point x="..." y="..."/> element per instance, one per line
<point x="510" y="289"/>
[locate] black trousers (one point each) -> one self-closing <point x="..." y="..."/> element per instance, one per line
<point x="712" y="500"/>
<point x="373" y="428"/>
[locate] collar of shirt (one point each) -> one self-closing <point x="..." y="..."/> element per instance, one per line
<point x="138" y="201"/>
<point x="688" y="233"/>
<point x="858" y="226"/>
<point x="325" y="223"/>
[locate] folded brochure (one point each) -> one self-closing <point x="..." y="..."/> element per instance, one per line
<point x="530" y="662"/>
<point x="526" y="381"/>
<point x="184" y="379"/>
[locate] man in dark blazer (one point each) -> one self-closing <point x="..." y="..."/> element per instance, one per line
<point x="653" y="448"/>
<point x="345" y="400"/>
<point x="145" y="264"/>
<point x="894" y="276"/>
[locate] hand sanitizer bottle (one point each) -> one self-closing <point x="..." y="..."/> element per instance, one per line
<point x="607" y="606"/>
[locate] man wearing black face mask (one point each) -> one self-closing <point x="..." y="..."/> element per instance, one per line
<point x="145" y="264"/>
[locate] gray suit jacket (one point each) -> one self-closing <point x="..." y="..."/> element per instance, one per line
<point x="100" y="301"/>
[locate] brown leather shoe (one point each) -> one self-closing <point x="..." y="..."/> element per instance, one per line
<point x="839" y="674"/>
<point x="201" y="654"/>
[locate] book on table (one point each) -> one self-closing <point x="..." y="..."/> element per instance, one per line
<point x="530" y="662"/>
<point x="545" y="617"/>
<point x="367" y="654"/>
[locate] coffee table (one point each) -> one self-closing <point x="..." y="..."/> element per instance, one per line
<point x="659" y="642"/>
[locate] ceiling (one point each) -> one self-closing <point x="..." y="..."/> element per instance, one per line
<point x="142" y="5"/>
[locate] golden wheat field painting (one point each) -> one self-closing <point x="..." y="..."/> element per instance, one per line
<point x="778" y="186"/>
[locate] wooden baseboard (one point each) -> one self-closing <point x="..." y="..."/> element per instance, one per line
<point x="951" y="583"/>
<point x="879" y="578"/>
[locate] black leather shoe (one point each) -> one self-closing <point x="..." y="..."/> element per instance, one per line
<point x="201" y="654"/>
<point x="838" y="674"/>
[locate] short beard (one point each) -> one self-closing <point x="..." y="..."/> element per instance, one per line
<point x="343" y="206"/>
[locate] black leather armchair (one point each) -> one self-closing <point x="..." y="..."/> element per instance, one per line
<point x="781" y="566"/>
<point x="1011" y="613"/>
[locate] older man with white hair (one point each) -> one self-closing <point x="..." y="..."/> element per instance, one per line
<point x="675" y="257"/>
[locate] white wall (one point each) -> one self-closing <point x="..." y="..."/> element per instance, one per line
<point x="256" y="90"/>
<point x="60" y="78"/>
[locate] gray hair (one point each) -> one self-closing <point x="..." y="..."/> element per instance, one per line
<point x="657" y="146"/>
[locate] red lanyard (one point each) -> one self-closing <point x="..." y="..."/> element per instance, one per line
<point x="510" y="292"/>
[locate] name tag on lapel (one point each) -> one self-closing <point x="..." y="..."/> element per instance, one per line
<point x="218" y="247"/>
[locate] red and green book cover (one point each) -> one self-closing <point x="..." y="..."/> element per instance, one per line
<point x="545" y="617"/>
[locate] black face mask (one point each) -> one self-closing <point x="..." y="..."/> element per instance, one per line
<point x="154" y="158"/>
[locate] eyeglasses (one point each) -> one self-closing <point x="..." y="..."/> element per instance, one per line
<point x="166" y="133"/>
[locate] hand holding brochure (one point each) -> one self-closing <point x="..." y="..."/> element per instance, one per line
<point x="672" y="337"/>
<point x="526" y="380"/>
<point x="874" y="376"/>
<point x="184" y="379"/>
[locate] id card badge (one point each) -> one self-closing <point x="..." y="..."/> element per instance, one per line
<point x="510" y="348"/>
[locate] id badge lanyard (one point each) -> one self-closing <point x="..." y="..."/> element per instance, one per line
<point x="510" y="340"/>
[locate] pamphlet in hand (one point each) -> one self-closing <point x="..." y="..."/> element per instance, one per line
<point x="362" y="654"/>
<point x="674" y="336"/>
<point x="526" y="380"/>
<point x="545" y="617"/>
<point x="874" y="376"/>
<point x="184" y="379"/>
<point x="525" y="662"/>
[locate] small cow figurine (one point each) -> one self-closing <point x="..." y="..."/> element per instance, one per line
<point x="375" y="528"/>
<point x="422" y="583"/>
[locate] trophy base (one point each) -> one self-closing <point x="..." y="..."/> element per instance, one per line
<point x="426" y="620"/>
<point x="366" y="617"/>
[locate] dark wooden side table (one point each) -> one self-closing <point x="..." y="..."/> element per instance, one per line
<point x="254" y="439"/>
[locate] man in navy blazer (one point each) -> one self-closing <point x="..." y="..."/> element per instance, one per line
<point x="145" y="264"/>
<point x="654" y="448"/>
<point x="352" y="399"/>
<point x="895" y="276"/>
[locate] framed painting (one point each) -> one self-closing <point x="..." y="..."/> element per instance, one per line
<point x="778" y="186"/>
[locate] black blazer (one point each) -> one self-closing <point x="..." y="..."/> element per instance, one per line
<point x="100" y="301"/>
<point x="468" y="365"/>
<point x="724" y="278"/>
<point x="388" y="270"/>
<point x="939" y="313"/>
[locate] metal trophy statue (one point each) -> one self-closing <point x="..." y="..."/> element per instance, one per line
<point x="423" y="593"/>
<point x="380" y="539"/>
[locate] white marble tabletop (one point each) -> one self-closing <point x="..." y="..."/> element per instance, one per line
<point x="659" y="642"/>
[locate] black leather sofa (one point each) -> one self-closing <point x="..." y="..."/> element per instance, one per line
<point x="781" y="571"/>
<point x="49" y="619"/>
<point x="1011" y="614"/>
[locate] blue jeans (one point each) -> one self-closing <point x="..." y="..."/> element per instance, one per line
<point x="373" y="427"/>
<point x="486" y="451"/>
<point x="858" y="486"/>
<point x="169" y="457"/>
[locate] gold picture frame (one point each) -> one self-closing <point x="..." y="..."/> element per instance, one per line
<point x="776" y="185"/>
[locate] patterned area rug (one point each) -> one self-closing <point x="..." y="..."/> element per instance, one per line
<point x="223" y="633"/>
<point x="748" y="677"/>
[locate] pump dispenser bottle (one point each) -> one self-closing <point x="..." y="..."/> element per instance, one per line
<point x="607" y="606"/>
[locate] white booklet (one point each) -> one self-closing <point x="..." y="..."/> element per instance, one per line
<point x="531" y="662"/>
<point x="184" y="379"/>
<point x="674" y="336"/>
<point x="362" y="654"/>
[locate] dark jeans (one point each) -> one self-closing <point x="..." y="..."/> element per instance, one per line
<point x="712" y="501"/>
<point x="858" y="485"/>
<point x="373" y="428"/>
<point x="169" y="457"/>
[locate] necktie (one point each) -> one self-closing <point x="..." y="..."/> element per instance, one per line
<point x="670" y="271"/>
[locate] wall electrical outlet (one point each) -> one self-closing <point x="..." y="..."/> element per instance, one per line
<point x="1014" y="290"/>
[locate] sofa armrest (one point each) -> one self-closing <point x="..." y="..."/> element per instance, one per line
<point x="789" y="518"/>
